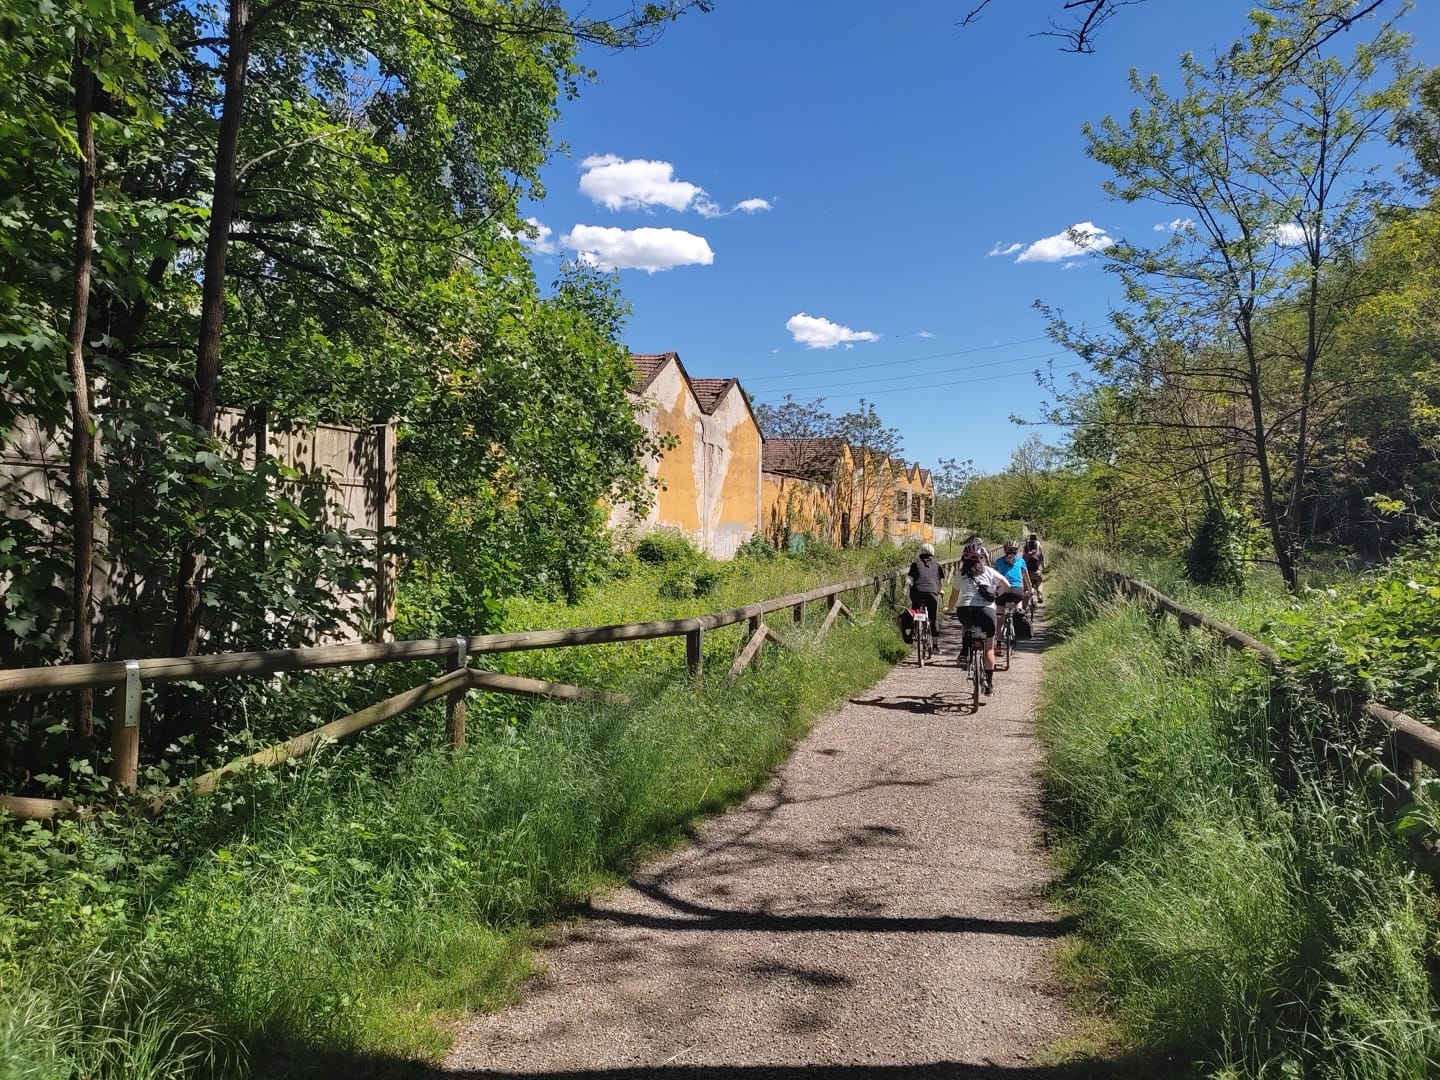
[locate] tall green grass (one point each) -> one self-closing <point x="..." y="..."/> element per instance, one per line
<point x="1228" y="925"/>
<point x="351" y="904"/>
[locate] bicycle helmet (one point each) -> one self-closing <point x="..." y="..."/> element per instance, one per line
<point x="1011" y="547"/>
<point x="974" y="552"/>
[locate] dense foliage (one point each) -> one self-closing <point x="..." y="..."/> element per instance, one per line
<point x="336" y="909"/>
<point x="1230" y="927"/>
<point x="1376" y="635"/>
<point x="303" y="213"/>
<point x="1275" y="348"/>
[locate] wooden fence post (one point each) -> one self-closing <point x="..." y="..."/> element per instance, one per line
<point x="695" y="652"/>
<point x="125" y="731"/>
<point x="455" y="702"/>
<point x="799" y="613"/>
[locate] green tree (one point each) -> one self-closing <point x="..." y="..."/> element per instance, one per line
<point x="1264" y="156"/>
<point x="868" y="490"/>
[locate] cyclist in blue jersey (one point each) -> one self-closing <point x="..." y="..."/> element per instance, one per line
<point x="1017" y="575"/>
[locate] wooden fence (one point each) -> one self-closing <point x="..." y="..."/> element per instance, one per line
<point x="1409" y="741"/>
<point x="127" y="677"/>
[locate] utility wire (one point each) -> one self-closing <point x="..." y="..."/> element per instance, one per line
<point x="914" y="375"/>
<point x="893" y="363"/>
<point x="941" y="386"/>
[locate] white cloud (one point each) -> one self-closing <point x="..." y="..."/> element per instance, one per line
<point x="540" y="240"/>
<point x="638" y="249"/>
<point x="925" y="333"/>
<point x="638" y="184"/>
<point x="1175" y="225"/>
<point x="817" y="333"/>
<point x="1290" y="235"/>
<point x="1076" y="240"/>
<point x="1002" y="248"/>
<point x="754" y="206"/>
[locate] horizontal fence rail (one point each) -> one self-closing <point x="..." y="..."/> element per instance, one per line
<point x="128" y="676"/>
<point x="1411" y="739"/>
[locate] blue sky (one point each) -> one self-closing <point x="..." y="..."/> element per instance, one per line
<point x="852" y="199"/>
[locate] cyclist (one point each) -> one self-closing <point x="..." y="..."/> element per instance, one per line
<point x="1016" y="573"/>
<point x="1035" y="563"/>
<point x="973" y="598"/>
<point x="927" y="578"/>
<point x="976" y="542"/>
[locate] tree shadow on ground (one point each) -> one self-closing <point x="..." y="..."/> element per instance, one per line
<point x="320" y="1065"/>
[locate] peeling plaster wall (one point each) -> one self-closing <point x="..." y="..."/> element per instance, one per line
<point x="792" y="506"/>
<point x="730" y="488"/>
<point x="708" y="484"/>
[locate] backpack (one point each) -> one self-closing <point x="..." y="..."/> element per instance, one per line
<point x="1023" y="629"/>
<point x="907" y="626"/>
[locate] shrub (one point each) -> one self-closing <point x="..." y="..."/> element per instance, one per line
<point x="1223" y="548"/>
<point x="665" y="546"/>
<point x="757" y="549"/>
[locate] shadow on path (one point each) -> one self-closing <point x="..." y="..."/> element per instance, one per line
<point x="352" y="1066"/>
<point x="692" y="916"/>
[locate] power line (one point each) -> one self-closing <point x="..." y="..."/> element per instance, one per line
<point x="915" y="375"/>
<point x="894" y="363"/>
<point x="956" y="382"/>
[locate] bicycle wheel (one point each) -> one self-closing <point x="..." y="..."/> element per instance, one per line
<point x="920" y="643"/>
<point x="1002" y="646"/>
<point x="977" y="668"/>
<point x="1009" y="640"/>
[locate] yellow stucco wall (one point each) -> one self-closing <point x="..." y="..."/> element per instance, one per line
<point x="708" y="479"/>
<point x="732" y="490"/>
<point x="793" y="506"/>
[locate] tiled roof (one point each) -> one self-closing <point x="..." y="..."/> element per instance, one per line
<point x="924" y="477"/>
<point x="808" y="458"/>
<point x="647" y="366"/>
<point x="708" y="392"/>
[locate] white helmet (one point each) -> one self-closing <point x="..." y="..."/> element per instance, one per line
<point x="927" y="549"/>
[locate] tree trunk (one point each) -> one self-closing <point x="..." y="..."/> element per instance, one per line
<point x="204" y="395"/>
<point x="82" y="513"/>
<point x="1274" y="516"/>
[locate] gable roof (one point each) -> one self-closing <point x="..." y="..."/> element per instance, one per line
<point x="649" y="365"/>
<point x="805" y="458"/>
<point x="708" y="392"/>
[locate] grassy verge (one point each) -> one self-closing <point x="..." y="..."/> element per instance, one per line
<point x="351" y="904"/>
<point x="1229" y="928"/>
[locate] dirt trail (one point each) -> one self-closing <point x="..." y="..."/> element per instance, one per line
<point x="875" y="910"/>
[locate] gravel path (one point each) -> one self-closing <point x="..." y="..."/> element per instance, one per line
<point x="875" y="910"/>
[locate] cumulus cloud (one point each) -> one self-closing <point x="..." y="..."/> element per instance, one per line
<point x="1076" y="240"/>
<point x="638" y="249"/>
<point x="1290" y="235"/>
<point x="538" y="238"/>
<point x="1175" y="225"/>
<point x="637" y="184"/>
<point x="1002" y="248"/>
<point x="817" y="333"/>
<point x="925" y="334"/>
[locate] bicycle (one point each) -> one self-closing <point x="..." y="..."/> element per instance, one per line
<point x="1005" y="637"/>
<point x="924" y="638"/>
<point x="972" y="656"/>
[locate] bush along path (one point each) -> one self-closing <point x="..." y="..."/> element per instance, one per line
<point x="877" y="905"/>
